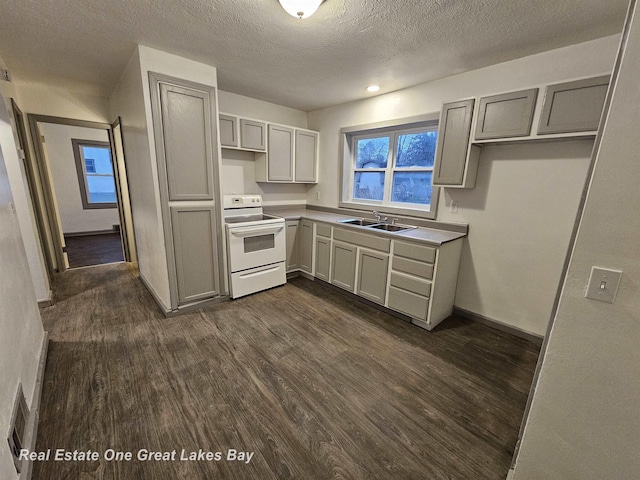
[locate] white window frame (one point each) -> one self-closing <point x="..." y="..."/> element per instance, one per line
<point x="349" y="138"/>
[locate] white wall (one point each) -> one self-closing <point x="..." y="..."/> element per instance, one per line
<point x="132" y="101"/>
<point x="20" y="324"/>
<point x="128" y="102"/>
<point x="47" y="100"/>
<point x="22" y="200"/>
<point x="62" y="165"/>
<point x="238" y="168"/>
<point x="521" y="194"/>
<point x="584" y="419"/>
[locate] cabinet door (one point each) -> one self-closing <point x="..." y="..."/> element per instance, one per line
<point x="228" y="130"/>
<point x="372" y="275"/>
<point x="187" y="142"/>
<point x="280" y="155"/>
<point x="323" y="258"/>
<point x="305" y="234"/>
<point x="343" y="265"/>
<point x="453" y="142"/>
<point x="195" y="252"/>
<point x="306" y="157"/>
<point x="573" y="106"/>
<point x="252" y="135"/>
<point x="293" y="252"/>
<point x="506" y="115"/>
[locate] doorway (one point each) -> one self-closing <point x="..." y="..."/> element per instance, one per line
<point x="82" y="175"/>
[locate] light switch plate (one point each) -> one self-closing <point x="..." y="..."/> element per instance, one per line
<point x="603" y="284"/>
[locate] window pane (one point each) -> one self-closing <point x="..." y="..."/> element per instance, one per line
<point x="101" y="157"/>
<point x="372" y="152"/>
<point x="416" y="149"/>
<point x="102" y="189"/>
<point x="411" y="187"/>
<point x="368" y="185"/>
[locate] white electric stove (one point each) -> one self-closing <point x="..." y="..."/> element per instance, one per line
<point x="256" y="246"/>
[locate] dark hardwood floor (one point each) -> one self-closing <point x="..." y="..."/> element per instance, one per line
<point x="87" y="250"/>
<point x="316" y="385"/>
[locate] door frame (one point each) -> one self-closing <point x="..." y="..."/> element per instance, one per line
<point x="40" y="171"/>
<point x="31" y="175"/>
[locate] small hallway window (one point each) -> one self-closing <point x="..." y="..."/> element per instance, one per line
<point x="95" y="174"/>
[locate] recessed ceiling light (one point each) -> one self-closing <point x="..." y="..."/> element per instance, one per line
<point x="373" y="88"/>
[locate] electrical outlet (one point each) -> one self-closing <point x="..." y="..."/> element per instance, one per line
<point x="317" y="195"/>
<point x="454" y="207"/>
<point x="603" y="284"/>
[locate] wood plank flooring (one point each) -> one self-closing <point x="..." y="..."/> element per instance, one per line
<point x="86" y="250"/>
<point x="316" y="385"/>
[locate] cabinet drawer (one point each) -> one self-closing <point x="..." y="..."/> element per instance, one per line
<point x="376" y="243"/>
<point x="424" y="270"/>
<point x="323" y="230"/>
<point x="422" y="253"/>
<point x="408" y="303"/>
<point x="412" y="284"/>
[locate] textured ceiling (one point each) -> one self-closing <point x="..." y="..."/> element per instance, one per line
<point x="263" y="52"/>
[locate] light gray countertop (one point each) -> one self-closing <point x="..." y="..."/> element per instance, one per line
<point x="431" y="236"/>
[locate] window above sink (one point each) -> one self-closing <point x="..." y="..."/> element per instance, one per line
<point x="389" y="167"/>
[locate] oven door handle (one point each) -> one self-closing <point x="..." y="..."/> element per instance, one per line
<point x="253" y="231"/>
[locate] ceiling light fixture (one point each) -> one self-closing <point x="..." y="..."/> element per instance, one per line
<point x="373" y="88"/>
<point x="300" y="8"/>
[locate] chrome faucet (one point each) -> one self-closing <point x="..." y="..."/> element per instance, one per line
<point x="379" y="217"/>
<point x="394" y="220"/>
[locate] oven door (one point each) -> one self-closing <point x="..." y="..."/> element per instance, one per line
<point x="255" y="246"/>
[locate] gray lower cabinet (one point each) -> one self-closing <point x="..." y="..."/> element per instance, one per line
<point x="293" y="245"/>
<point x="195" y="252"/>
<point x="452" y="167"/>
<point x="372" y="275"/>
<point x="573" y="106"/>
<point x="343" y="265"/>
<point x="305" y="245"/>
<point x="323" y="258"/>
<point x="506" y="115"/>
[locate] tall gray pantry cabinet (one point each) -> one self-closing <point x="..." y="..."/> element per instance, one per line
<point x="184" y="120"/>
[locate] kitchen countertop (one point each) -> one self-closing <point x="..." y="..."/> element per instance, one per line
<point x="431" y="236"/>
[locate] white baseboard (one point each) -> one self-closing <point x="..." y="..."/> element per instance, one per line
<point x="34" y="410"/>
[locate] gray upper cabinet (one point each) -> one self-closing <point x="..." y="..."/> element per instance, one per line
<point x="506" y="115"/>
<point x="453" y="143"/>
<point x="280" y="154"/>
<point x="252" y="135"/>
<point x="306" y="156"/>
<point x="228" y="130"/>
<point x="195" y="251"/>
<point x="187" y="142"/>
<point x="573" y="106"/>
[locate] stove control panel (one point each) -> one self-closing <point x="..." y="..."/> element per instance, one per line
<point x="242" y="201"/>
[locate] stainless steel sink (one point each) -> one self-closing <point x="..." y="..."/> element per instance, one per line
<point x="363" y="222"/>
<point x="391" y="227"/>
